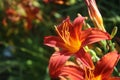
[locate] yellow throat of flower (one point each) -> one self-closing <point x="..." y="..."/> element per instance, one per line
<point x="71" y="44"/>
<point x="89" y="75"/>
<point x="97" y="78"/>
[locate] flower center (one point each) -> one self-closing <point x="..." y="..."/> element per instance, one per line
<point x="89" y="75"/>
<point x="97" y="78"/>
<point x="72" y="44"/>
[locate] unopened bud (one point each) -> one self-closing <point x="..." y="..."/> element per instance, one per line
<point x="99" y="51"/>
<point x="114" y="31"/>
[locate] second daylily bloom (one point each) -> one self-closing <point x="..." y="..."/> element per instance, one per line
<point x="71" y="39"/>
<point x="101" y="71"/>
<point x="103" y="68"/>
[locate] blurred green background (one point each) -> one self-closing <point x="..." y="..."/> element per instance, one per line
<point x="25" y="23"/>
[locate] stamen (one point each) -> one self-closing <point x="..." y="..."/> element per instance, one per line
<point x="71" y="43"/>
<point x="65" y="35"/>
<point x="89" y="74"/>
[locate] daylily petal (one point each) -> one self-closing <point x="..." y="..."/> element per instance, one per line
<point x="57" y="60"/>
<point x="106" y="65"/>
<point x="77" y="27"/>
<point x="92" y="35"/>
<point x="65" y="25"/>
<point x="53" y="41"/>
<point x="114" y="78"/>
<point x="84" y="58"/>
<point x="72" y="72"/>
<point x="78" y="22"/>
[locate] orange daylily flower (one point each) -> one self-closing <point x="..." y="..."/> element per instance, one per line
<point x="95" y="14"/>
<point x="25" y="10"/>
<point x="101" y="71"/>
<point x="71" y="39"/>
<point x="31" y="13"/>
<point x="103" y="68"/>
